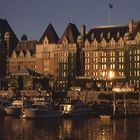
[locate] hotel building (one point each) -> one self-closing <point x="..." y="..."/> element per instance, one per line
<point x="85" y="55"/>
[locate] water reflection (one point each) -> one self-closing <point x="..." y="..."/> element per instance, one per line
<point x="12" y="128"/>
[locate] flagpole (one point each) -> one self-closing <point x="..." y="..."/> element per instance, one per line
<point x="109" y="14"/>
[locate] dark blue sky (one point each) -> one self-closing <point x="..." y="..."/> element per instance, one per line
<point x="31" y="17"/>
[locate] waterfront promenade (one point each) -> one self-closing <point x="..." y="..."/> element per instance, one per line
<point x="125" y="103"/>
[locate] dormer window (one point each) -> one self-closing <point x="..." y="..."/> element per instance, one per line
<point x="65" y="42"/>
<point x="46" y="41"/>
<point x="92" y="36"/>
<point x="118" y="35"/>
<point x="14" y="55"/>
<point x="103" y="42"/>
<point x="21" y="54"/>
<point x="108" y="35"/>
<point x="101" y="36"/>
<point x="121" y="42"/>
<point x="112" y="42"/>
<point x="95" y="43"/>
<point x="28" y="54"/>
<point x="86" y="43"/>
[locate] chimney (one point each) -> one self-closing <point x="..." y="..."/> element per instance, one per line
<point x="83" y="31"/>
<point x="130" y="25"/>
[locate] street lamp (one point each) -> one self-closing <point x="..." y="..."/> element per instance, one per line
<point x="111" y="75"/>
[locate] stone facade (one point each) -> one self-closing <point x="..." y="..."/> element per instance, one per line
<point x="23" y="56"/>
<point x="92" y="55"/>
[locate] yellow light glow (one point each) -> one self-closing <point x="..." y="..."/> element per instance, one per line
<point x="111" y="74"/>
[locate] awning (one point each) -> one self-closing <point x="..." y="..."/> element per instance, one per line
<point x="25" y="72"/>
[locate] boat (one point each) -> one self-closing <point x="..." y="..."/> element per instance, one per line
<point x="15" y="109"/>
<point x="50" y="110"/>
<point x="73" y="108"/>
<point x="4" y="102"/>
<point x="42" y="107"/>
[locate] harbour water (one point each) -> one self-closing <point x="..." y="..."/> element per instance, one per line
<point x="14" y="128"/>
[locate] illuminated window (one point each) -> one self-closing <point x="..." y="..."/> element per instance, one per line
<point x="130" y="58"/>
<point x="138" y="73"/>
<point x="112" y="59"/>
<point x="103" y="53"/>
<point x="103" y="66"/>
<point x="121" y="66"/>
<point x="130" y="73"/>
<point x="121" y="59"/>
<point x="86" y="67"/>
<point x="121" y="53"/>
<point x="112" y="66"/>
<point x="135" y="73"/>
<point x="103" y="60"/>
<point x="138" y="58"/>
<point x="112" y="53"/>
<point x="86" y="60"/>
<point x="130" y="52"/>
<point x="121" y="73"/>
<point x="87" y="54"/>
<point x="138" y="65"/>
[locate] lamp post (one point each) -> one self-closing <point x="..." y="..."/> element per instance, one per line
<point x="111" y="75"/>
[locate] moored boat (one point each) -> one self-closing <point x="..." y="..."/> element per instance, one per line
<point x="39" y="111"/>
<point x="15" y="109"/>
<point x="73" y="108"/>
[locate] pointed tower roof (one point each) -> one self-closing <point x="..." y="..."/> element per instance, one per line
<point x="51" y="34"/>
<point x="71" y="33"/>
<point x="5" y="27"/>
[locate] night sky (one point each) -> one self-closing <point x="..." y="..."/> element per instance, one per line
<point x="31" y="17"/>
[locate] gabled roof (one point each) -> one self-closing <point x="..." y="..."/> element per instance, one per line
<point x="51" y="34"/>
<point x="105" y="30"/>
<point x="71" y="33"/>
<point x="26" y="45"/>
<point x="25" y="71"/>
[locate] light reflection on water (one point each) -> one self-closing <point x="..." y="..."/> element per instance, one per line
<point x="12" y="128"/>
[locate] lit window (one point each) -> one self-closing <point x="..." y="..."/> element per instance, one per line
<point x="130" y="73"/>
<point x="138" y="58"/>
<point x="138" y="65"/>
<point x="138" y="73"/>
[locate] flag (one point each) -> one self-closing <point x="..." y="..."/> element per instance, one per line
<point x="110" y="6"/>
